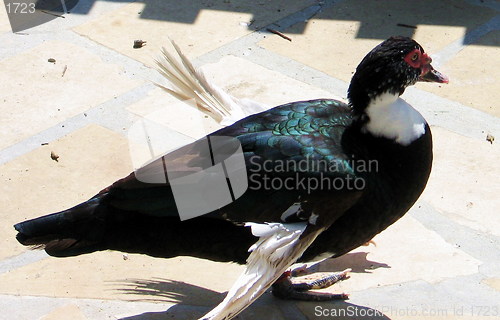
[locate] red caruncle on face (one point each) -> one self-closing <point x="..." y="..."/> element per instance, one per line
<point x="417" y="59"/>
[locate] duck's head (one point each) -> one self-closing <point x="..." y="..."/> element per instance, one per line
<point x="390" y="67"/>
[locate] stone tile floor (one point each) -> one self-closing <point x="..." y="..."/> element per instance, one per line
<point x="441" y="261"/>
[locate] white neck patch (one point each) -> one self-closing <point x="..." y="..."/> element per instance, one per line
<point x="393" y="118"/>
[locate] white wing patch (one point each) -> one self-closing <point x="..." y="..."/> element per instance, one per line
<point x="393" y="118"/>
<point x="278" y="247"/>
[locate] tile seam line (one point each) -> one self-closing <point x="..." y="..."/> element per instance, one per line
<point x="284" y="22"/>
<point x="92" y="44"/>
<point x="304" y="73"/>
<point x="71" y="125"/>
<point x="106" y="54"/>
<point x="87" y="298"/>
<point x="453" y="48"/>
<point x="255" y="36"/>
<point x="252" y="39"/>
<point x="467" y="236"/>
<point x="259" y="53"/>
<point x="30" y="143"/>
<point x="33" y="142"/>
<point x="258" y="35"/>
<point x="78" y="122"/>
<point x="11" y="263"/>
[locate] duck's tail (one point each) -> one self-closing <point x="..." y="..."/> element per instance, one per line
<point x="191" y="84"/>
<point x="71" y="232"/>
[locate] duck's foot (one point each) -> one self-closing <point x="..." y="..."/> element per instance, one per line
<point x="284" y="288"/>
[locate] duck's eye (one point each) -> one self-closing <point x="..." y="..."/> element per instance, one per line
<point x="413" y="58"/>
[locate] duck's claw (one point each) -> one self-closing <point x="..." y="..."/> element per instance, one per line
<point x="284" y="288"/>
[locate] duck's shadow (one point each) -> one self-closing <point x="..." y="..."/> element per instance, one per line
<point x="192" y="302"/>
<point x="274" y="309"/>
<point x="357" y="261"/>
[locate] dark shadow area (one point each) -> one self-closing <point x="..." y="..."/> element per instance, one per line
<point x="357" y="261"/>
<point x="166" y="290"/>
<point x="188" y="11"/>
<point x="193" y="302"/>
<point x="28" y="14"/>
<point x="378" y="19"/>
<point x="55" y="6"/>
<point x="177" y="312"/>
<point x="332" y="310"/>
<point x="342" y="310"/>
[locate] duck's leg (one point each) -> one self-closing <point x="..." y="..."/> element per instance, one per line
<point x="284" y="288"/>
<point x="278" y="247"/>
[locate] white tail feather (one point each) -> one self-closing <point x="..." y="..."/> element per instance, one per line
<point x="190" y="83"/>
<point x="278" y="247"/>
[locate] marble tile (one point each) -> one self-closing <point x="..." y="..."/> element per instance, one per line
<point x="34" y="185"/>
<point x="199" y="26"/>
<point x="474" y="76"/>
<point x="404" y="252"/>
<point x="462" y="183"/>
<point x="336" y="40"/>
<point x="36" y="94"/>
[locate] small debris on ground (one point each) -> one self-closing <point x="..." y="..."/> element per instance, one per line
<point x="279" y="34"/>
<point x="45" y="144"/>
<point x="139" y="44"/>
<point x="54" y="156"/>
<point x="406" y="25"/>
<point x="247" y="23"/>
<point x="490" y="138"/>
<point x="125" y="256"/>
<point x="64" y="70"/>
<point x="52" y="60"/>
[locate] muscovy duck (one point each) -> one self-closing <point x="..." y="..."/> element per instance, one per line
<point x="343" y="173"/>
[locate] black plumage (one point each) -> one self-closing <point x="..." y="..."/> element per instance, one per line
<point x="321" y="140"/>
<point x="134" y="216"/>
